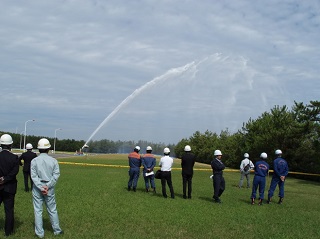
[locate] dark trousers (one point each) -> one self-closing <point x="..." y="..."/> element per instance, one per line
<point x="218" y="186"/>
<point x="187" y="180"/>
<point x="166" y="178"/>
<point x="133" y="177"/>
<point x="8" y="201"/>
<point x="27" y="176"/>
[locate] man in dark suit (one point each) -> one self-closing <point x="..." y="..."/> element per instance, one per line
<point x="27" y="157"/>
<point x="218" y="179"/>
<point x="187" y="163"/>
<point x="9" y="168"/>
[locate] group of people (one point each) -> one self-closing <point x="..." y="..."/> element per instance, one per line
<point x="261" y="170"/>
<point x="148" y="162"/>
<point x="43" y="171"/>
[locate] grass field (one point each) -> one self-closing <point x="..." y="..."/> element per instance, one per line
<point x="93" y="202"/>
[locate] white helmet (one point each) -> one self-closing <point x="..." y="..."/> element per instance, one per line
<point x="149" y="148"/>
<point x="6" y="139"/>
<point x="166" y="150"/>
<point x="44" y="144"/>
<point x="277" y="152"/>
<point x="29" y="146"/>
<point x="187" y="148"/>
<point x="217" y="152"/>
<point x="137" y="148"/>
<point x="263" y="156"/>
<point x="246" y="155"/>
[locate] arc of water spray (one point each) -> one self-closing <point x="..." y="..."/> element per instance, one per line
<point x="178" y="70"/>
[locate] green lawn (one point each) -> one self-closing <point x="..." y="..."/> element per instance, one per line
<point x="93" y="203"/>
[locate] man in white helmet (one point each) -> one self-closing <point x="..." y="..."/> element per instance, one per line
<point x="166" y="163"/>
<point x="188" y="160"/>
<point x="44" y="174"/>
<point x="148" y="163"/>
<point x="27" y="158"/>
<point x="218" y="179"/>
<point x="280" y="172"/>
<point x="134" y="171"/>
<point x="261" y="170"/>
<point x="9" y="168"/>
<point x="245" y="166"/>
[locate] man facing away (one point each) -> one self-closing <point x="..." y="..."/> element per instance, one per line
<point x="27" y="158"/>
<point x="148" y="163"/>
<point x="280" y="167"/>
<point x="260" y="172"/>
<point x="245" y="166"/>
<point x="187" y="163"/>
<point x="9" y="168"/>
<point x="44" y="174"/>
<point x="134" y="171"/>
<point x="166" y="164"/>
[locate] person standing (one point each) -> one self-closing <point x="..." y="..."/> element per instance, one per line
<point x="218" y="179"/>
<point x="9" y="168"/>
<point x="27" y="157"/>
<point x="44" y="174"/>
<point x="260" y="172"/>
<point x="245" y="166"/>
<point x="281" y="170"/>
<point x="148" y="163"/>
<point x="187" y="163"/>
<point x="134" y="171"/>
<point x="166" y="164"/>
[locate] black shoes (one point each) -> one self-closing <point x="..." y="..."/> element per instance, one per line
<point x="269" y="201"/>
<point x="260" y="202"/>
<point x="252" y="201"/>
<point x="280" y="201"/>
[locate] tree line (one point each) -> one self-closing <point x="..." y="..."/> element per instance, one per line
<point x="295" y="131"/>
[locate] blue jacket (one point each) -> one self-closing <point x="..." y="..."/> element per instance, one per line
<point x="148" y="161"/>
<point x="261" y="168"/>
<point x="217" y="166"/>
<point x="134" y="160"/>
<point x="280" y="167"/>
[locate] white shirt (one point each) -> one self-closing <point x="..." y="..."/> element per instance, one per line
<point x="244" y="162"/>
<point x="166" y="163"/>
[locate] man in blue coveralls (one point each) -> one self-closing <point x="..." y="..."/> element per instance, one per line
<point x="134" y="171"/>
<point x="148" y="163"/>
<point x="280" y="167"/>
<point x="261" y="170"/>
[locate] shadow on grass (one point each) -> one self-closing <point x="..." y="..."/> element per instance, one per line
<point x="207" y="199"/>
<point x="301" y="181"/>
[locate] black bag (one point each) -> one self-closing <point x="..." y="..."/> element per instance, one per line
<point x="247" y="167"/>
<point x="158" y="174"/>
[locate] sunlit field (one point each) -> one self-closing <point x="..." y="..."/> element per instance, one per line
<point x="93" y="202"/>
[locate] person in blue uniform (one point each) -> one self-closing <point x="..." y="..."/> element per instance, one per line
<point x="280" y="168"/>
<point x="148" y="163"/>
<point x="134" y="171"/>
<point x="261" y="170"/>
<point x="188" y="160"/>
<point x="9" y="168"/>
<point x="218" y="179"/>
<point x="44" y="174"/>
<point x="27" y="157"/>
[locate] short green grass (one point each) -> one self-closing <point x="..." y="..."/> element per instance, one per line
<point x="93" y="203"/>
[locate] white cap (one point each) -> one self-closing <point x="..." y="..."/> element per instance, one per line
<point x="6" y="139"/>
<point x="263" y="156"/>
<point x="137" y="148"/>
<point x="246" y="155"/>
<point x="29" y="146"/>
<point x="187" y="148"/>
<point x="217" y="152"/>
<point x="44" y="144"/>
<point x="149" y="148"/>
<point x="166" y="150"/>
<point x="277" y="152"/>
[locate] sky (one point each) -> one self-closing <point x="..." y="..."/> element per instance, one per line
<point x="153" y="70"/>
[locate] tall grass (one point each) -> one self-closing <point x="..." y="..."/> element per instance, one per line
<point x="93" y="203"/>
